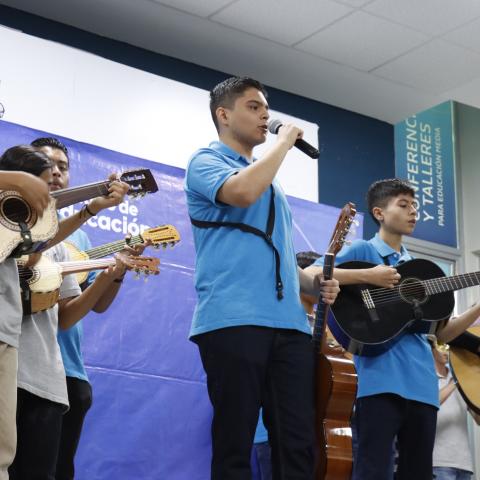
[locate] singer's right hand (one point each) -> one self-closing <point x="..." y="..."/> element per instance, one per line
<point x="289" y="134"/>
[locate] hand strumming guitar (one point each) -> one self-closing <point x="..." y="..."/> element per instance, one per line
<point x="33" y="189"/>
<point x="382" y="276"/>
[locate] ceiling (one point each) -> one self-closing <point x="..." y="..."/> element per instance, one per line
<point x="383" y="58"/>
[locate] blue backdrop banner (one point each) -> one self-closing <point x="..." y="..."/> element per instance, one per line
<point x="151" y="414"/>
<point x="425" y="155"/>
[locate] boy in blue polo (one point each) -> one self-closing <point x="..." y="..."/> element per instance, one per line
<point x="249" y="324"/>
<point x="397" y="391"/>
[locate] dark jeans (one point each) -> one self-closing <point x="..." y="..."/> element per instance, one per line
<point x="379" y="418"/>
<point x="39" y="423"/>
<point x="249" y="367"/>
<point x="261" y="461"/>
<point x="80" y="399"/>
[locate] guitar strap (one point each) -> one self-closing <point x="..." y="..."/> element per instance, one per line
<point x="267" y="236"/>
<point x="26" y="243"/>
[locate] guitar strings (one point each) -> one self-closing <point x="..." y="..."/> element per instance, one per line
<point x="432" y="284"/>
<point x="382" y="296"/>
<point x="106" y="249"/>
<point x="26" y="272"/>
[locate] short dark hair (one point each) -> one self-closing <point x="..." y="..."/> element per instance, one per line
<point x="305" y="259"/>
<point x="25" y="158"/>
<point x="382" y="191"/>
<point x="50" y="142"/>
<point x="225" y="93"/>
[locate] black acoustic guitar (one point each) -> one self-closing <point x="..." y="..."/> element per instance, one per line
<point x="22" y="231"/>
<point x="368" y="320"/>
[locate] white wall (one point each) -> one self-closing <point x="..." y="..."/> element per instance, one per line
<point x="68" y="92"/>
<point x="468" y="149"/>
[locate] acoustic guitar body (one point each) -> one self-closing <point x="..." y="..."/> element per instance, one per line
<point x="22" y="231"/>
<point x="368" y="331"/>
<point x="76" y="254"/>
<point x="336" y="389"/>
<point x="466" y="371"/>
<point x="40" y="285"/>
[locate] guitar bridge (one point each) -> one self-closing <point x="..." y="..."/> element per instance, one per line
<point x="367" y="299"/>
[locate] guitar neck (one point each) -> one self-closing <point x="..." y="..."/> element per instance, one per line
<point x="319" y="329"/>
<point x="69" y="196"/>
<point x="112" y="247"/>
<point x="452" y="283"/>
<point x="86" y="265"/>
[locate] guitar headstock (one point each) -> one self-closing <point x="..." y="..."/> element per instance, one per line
<point x="162" y="235"/>
<point x="141" y="182"/>
<point x="342" y="229"/>
<point x="140" y="264"/>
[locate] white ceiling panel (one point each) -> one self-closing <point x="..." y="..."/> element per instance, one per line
<point x="468" y="93"/>
<point x="362" y="41"/>
<point x="430" y="16"/>
<point x="408" y="83"/>
<point x="355" y="3"/>
<point x="467" y="36"/>
<point x="282" y="21"/>
<point x="203" y="8"/>
<point x="437" y="66"/>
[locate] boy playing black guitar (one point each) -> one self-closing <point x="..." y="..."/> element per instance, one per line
<point x="397" y="390"/>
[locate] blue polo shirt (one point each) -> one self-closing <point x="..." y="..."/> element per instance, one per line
<point x="407" y="368"/>
<point x="70" y="340"/>
<point x="234" y="270"/>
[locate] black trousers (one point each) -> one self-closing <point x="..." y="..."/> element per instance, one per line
<point x="248" y="367"/>
<point x="38" y="435"/>
<point x="381" y="418"/>
<point x="80" y="399"/>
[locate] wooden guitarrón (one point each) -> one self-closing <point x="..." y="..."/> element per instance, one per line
<point x="368" y="320"/>
<point x="336" y="380"/>
<point x="21" y="229"/>
<point x="40" y="284"/>
<point x="465" y="367"/>
<point x="163" y="235"/>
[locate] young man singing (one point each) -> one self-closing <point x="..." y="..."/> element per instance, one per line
<point x="249" y="324"/>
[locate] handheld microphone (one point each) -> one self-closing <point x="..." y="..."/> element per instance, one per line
<point x="301" y="144"/>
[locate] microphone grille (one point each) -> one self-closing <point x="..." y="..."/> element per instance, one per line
<point x="274" y="125"/>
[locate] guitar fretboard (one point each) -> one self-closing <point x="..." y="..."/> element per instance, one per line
<point x="319" y="333"/>
<point x="113" y="247"/>
<point x="69" y="196"/>
<point x="86" y="265"/>
<point x="454" y="282"/>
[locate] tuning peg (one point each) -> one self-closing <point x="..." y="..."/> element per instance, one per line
<point x="137" y="275"/>
<point x="172" y="244"/>
<point x="157" y="246"/>
<point x="356" y="223"/>
<point x="164" y="246"/>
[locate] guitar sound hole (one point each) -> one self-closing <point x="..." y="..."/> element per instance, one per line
<point x="29" y="275"/>
<point x="16" y="210"/>
<point x="413" y="291"/>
